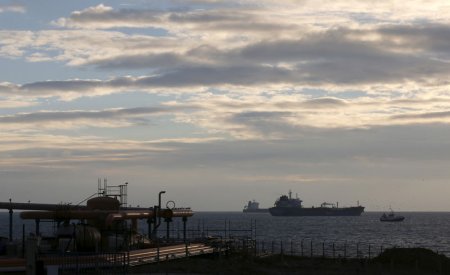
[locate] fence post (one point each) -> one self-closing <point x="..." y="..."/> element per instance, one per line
<point x="157" y="249"/>
<point x="301" y="246"/>
<point x="281" y="248"/>
<point x="273" y="247"/>
<point x="292" y="249"/>
<point x="334" y="252"/>
<point x="312" y="248"/>
<point x="345" y="250"/>
<point x="369" y="251"/>
<point x="357" y="250"/>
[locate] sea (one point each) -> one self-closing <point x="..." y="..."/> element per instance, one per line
<point x="419" y="229"/>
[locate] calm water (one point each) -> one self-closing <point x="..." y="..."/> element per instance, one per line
<point x="420" y="229"/>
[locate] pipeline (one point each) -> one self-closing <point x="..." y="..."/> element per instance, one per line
<point x="109" y="216"/>
<point x="39" y="206"/>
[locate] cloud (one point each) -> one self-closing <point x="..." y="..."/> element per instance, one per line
<point x="207" y="47"/>
<point x="11" y="104"/>
<point x="254" y="15"/>
<point x="432" y="116"/>
<point x="277" y="76"/>
<point x="65" y="151"/>
<point x="102" y="16"/>
<point x="73" y="119"/>
<point x="12" y="8"/>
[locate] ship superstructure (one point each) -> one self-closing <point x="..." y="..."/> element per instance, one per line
<point x="253" y="207"/>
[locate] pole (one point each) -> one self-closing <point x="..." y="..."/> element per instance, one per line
<point x="37" y="221"/>
<point x="159" y="205"/>
<point x="167" y="220"/>
<point x="10" y="222"/>
<point x="184" y="228"/>
<point x="10" y="225"/>
<point x="149" y="227"/>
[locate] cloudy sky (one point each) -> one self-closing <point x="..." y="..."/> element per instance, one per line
<point x="220" y="102"/>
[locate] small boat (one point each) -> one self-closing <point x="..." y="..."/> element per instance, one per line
<point x="391" y="217"/>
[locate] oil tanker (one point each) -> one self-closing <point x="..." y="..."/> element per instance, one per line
<point x="288" y="206"/>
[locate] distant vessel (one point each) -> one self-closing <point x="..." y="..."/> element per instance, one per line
<point x="391" y="217"/>
<point x="253" y="207"/>
<point x="288" y="206"/>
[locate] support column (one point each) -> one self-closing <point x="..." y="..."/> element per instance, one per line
<point x="10" y="224"/>
<point x="134" y="226"/>
<point x="149" y="227"/>
<point x="168" y="221"/>
<point x="30" y="256"/>
<point x="184" y="228"/>
<point x="37" y="221"/>
<point x="155" y="222"/>
<point x="184" y="237"/>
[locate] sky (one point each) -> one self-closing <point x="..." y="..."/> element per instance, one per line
<point x="221" y="102"/>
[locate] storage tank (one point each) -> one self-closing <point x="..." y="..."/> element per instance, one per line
<point x="103" y="203"/>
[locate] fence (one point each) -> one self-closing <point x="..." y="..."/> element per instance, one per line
<point x="312" y="248"/>
<point x="83" y="263"/>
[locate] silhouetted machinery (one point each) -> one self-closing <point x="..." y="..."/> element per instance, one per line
<point x="105" y="223"/>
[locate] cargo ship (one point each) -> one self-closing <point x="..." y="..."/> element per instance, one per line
<point x="288" y="206"/>
<point x="253" y="207"/>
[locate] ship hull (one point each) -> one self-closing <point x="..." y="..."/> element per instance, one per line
<point x="316" y="211"/>
<point x="259" y="210"/>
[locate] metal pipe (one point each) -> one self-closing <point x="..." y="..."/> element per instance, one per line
<point x="157" y="209"/>
<point x="38" y="206"/>
<point x="159" y="205"/>
<point x="50" y="207"/>
<point x="96" y="214"/>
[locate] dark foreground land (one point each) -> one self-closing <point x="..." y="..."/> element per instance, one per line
<point x="407" y="261"/>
